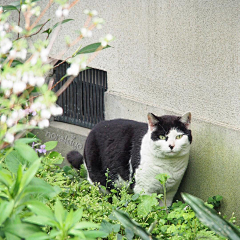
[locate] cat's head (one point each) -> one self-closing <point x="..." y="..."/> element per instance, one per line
<point x="170" y="135"/>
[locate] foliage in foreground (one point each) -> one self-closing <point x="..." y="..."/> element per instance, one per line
<point x="38" y="200"/>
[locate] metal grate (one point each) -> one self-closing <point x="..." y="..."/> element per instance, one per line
<point x="83" y="100"/>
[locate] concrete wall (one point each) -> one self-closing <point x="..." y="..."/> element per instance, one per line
<point x="172" y="57"/>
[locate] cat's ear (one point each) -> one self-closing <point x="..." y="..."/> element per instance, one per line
<point x="152" y="121"/>
<point x="186" y="119"/>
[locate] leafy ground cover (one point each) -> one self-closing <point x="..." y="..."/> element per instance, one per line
<point x="39" y="200"/>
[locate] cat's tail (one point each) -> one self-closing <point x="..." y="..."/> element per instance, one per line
<point x="75" y="158"/>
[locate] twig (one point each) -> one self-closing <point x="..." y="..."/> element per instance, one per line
<point x="73" y="3"/>
<point x="41" y="15"/>
<point x="19" y="19"/>
<point x="35" y="32"/>
<point x="64" y="87"/>
<point x="61" y="62"/>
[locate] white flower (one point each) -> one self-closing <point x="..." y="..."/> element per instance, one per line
<point x="6" y="84"/>
<point x="2" y="34"/>
<point x="19" y="87"/>
<point x="83" y="65"/>
<point x="14" y="115"/>
<point x="21" y="113"/>
<point x="32" y="80"/>
<point x="1" y="9"/>
<point x="44" y="123"/>
<point x="86" y="11"/>
<point x="24" y="7"/>
<point x="7" y="93"/>
<point x="93" y="13"/>
<point x="5" y="45"/>
<point x="25" y="77"/>
<point x="22" y="54"/>
<point x="104" y="43"/>
<point x="73" y="70"/>
<point x="17" y="29"/>
<point x="59" y="12"/>
<point x="13" y="53"/>
<point x="55" y="110"/>
<point x="3" y="118"/>
<point x="98" y="20"/>
<point x="33" y="122"/>
<point x="40" y="81"/>
<point x="65" y="12"/>
<point x="109" y="37"/>
<point x="45" y="114"/>
<point x="6" y="26"/>
<point x="34" y="59"/>
<point x="89" y="33"/>
<point x="84" y="32"/>
<point x="99" y="26"/>
<point x="44" y="54"/>
<point x="9" y="137"/>
<point x="10" y="122"/>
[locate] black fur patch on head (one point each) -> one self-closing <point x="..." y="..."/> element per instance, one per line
<point x="75" y="159"/>
<point x="168" y="122"/>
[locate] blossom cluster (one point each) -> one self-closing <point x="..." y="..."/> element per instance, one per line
<point x="77" y="63"/>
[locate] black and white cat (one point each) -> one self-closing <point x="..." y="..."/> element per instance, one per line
<point x="134" y="153"/>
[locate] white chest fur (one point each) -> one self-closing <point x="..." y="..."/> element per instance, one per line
<point x="153" y="163"/>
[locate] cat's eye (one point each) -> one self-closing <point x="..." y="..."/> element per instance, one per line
<point x="179" y="136"/>
<point x="161" y="137"/>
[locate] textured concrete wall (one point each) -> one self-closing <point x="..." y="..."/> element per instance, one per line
<point x="172" y="57"/>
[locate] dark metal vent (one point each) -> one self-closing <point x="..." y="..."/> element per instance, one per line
<point x="83" y="100"/>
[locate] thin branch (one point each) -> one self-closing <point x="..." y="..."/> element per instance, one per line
<point x="35" y="32"/>
<point x="41" y="15"/>
<point x="19" y="19"/>
<point x="64" y="87"/>
<point x="73" y="3"/>
<point x="61" y="62"/>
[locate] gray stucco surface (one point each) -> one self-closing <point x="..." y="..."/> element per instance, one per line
<point x="170" y="57"/>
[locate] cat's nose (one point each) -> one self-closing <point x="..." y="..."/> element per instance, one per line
<point x="171" y="146"/>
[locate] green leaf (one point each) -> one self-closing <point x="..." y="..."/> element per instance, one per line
<point x="40" y="220"/>
<point x="17" y="183"/>
<point x="9" y="8"/>
<point x="210" y="218"/>
<point x="26" y="152"/>
<point x="30" y="173"/>
<point x="133" y="226"/>
<point x="145" y="207"/>
<point x="22" y="230"/>
<point x="55" y="157"/>
<point x="83" y="224"/>
<point x="13" y="160"/>
<point x="50" y="145"/>
<point x="77" y="215"/>
<point x="40" y="209"/>
<point x="62" y="22"/>
<point x="59" y="212"/>
<point x="5" y="210"/>
<point x="69" y="220"/>
<point x="15" y="63"/>
<point x="5" y="178"/>
<point x="43" y="188"/>
<point x="38" y="236"/>
<point x="91" y="48"/>
<point x="108" y="227"/>
<point x="94" y="234"/>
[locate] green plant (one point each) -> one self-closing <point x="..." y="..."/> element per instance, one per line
<point x="210" y="217"/>
<point x="29" y="207"/>
<point x="163" y="180"/>
<point x="26" y="100"/>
